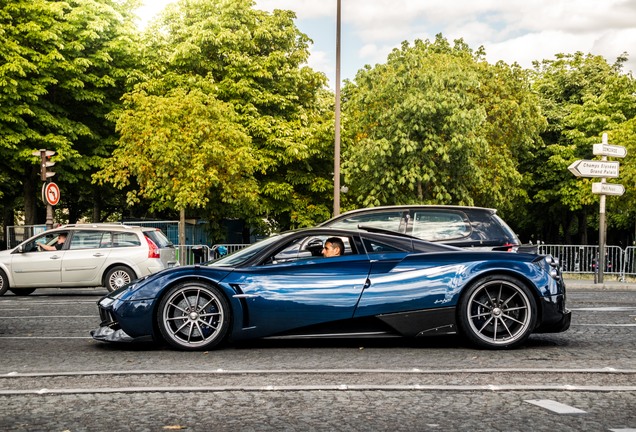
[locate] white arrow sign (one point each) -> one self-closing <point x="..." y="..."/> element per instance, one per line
<point x="589" y="168"/>
<point x="609" y="150"/>
<point x="608" y="189"/>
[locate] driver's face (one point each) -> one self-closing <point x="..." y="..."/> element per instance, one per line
<point x="329" y="250"/>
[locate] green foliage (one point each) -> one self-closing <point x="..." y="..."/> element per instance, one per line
<point x="63" y="67"/>
<point x="582" y="97"/>
<point x="437" y="124"/>
<point x="183" y="148"/>
<point x="253" y="63"/>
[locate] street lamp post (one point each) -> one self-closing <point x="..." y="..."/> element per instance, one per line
<point x="336" y="156"/>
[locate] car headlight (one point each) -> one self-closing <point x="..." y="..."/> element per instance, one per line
<point x="110" y="299"/>
<point x="554" y="266"/>
<point x="106" y="301"/>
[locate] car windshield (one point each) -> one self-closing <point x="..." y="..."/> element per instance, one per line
<point x="239" y="257"/>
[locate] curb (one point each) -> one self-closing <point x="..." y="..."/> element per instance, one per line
<point x="577" y="284"/>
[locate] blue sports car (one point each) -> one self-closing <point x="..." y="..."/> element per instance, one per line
<point x="381" y="285"/>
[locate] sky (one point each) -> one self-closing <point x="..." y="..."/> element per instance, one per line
<point x="518" y="31"/>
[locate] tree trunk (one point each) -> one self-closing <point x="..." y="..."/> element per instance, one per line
<point x="8" y="219"/>
<point x="182" y="239"/>
<point x="567" y="225"/>
<point x="583" y="228"/>
<point x="31" y="181"/>
<point x="97" y="209"/>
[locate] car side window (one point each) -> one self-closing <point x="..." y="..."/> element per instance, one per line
<point x="125" y="239"/>
<point x="435" y="225"/>
<point x="392" y="220"/>
<point x="304" y="248"/>
<point x="374" y="246"/>
<point x="46" y="239"/>
<point x="107" y="240"/>
<point x="86" y="240"/>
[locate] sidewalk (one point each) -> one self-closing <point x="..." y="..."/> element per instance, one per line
<point x="609" y="284"/>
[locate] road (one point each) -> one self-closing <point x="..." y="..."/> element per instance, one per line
<point x="54" y="377"/>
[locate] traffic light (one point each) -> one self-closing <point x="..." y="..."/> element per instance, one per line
<point x="45" y="155"/>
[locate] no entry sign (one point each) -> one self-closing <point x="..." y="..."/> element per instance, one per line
<point x="50" y="193"/>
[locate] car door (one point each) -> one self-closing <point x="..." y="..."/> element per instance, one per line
<point x="402" y="281"/>
<point x="31" y="267"/>
<point x="291" y="293"/>
<point x="85" y="258"/>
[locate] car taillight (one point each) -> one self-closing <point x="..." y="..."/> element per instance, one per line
<point x="507" y="247"/>
<point x="153" y="250"/>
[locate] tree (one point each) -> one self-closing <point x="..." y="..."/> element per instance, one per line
<point x="183" y="148"/>
<point x="255" y="60"/>
<point x="582" y="96"/>
<point x="436" y="124"/>
<point x="64" y="66"/>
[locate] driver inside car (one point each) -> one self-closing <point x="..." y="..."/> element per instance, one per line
<point x="334" y="246"/>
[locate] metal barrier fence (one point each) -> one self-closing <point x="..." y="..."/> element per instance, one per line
<point x="201" y="253"/>
<point x="582" y="259"/>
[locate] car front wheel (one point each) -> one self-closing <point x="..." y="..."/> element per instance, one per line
<point x="4" y="283"/>
<point x="117" y="277"/>
<point x="497" y="312"/>
<point x="194" y="316"/>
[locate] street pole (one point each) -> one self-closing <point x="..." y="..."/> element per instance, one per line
<point x="336" y="156"/>
<point x="49" y="216"/>
<point x="45" y="175"/>
<point x="602" y="231"/>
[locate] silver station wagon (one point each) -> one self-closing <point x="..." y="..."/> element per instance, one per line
<point x="85" y="255"/>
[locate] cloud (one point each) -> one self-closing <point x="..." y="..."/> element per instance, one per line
<point x="321" y="61"/>
<point x="512" y="30"/>
<point x="305" y="9"/>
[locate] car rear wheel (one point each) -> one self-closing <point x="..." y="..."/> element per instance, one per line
<point x="4" y="283"/>
<point x="117" y="277"/>
<point x="194" y="316"/>
<point x="497" y="312"/>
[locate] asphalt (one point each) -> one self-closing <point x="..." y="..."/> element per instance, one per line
<point x="610" y="283"/>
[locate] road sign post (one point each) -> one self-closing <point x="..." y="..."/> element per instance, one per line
<point x="45" y="175"/>
<point x="601" y="169"/>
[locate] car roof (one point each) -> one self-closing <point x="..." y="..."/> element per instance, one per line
<point x="411" y="207"/>
<point x="99" y="227"/>
<point x="384" y="237"/>
<point x="371" y="233"/>
<point x="419" y="206"/>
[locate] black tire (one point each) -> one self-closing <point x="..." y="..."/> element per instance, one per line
<point x="193" y="316"/>
<point x="117" y="277"/>
<point x="22" y="291"/>
<point x="497" y="312"/>
<point x="4" y="283"/>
